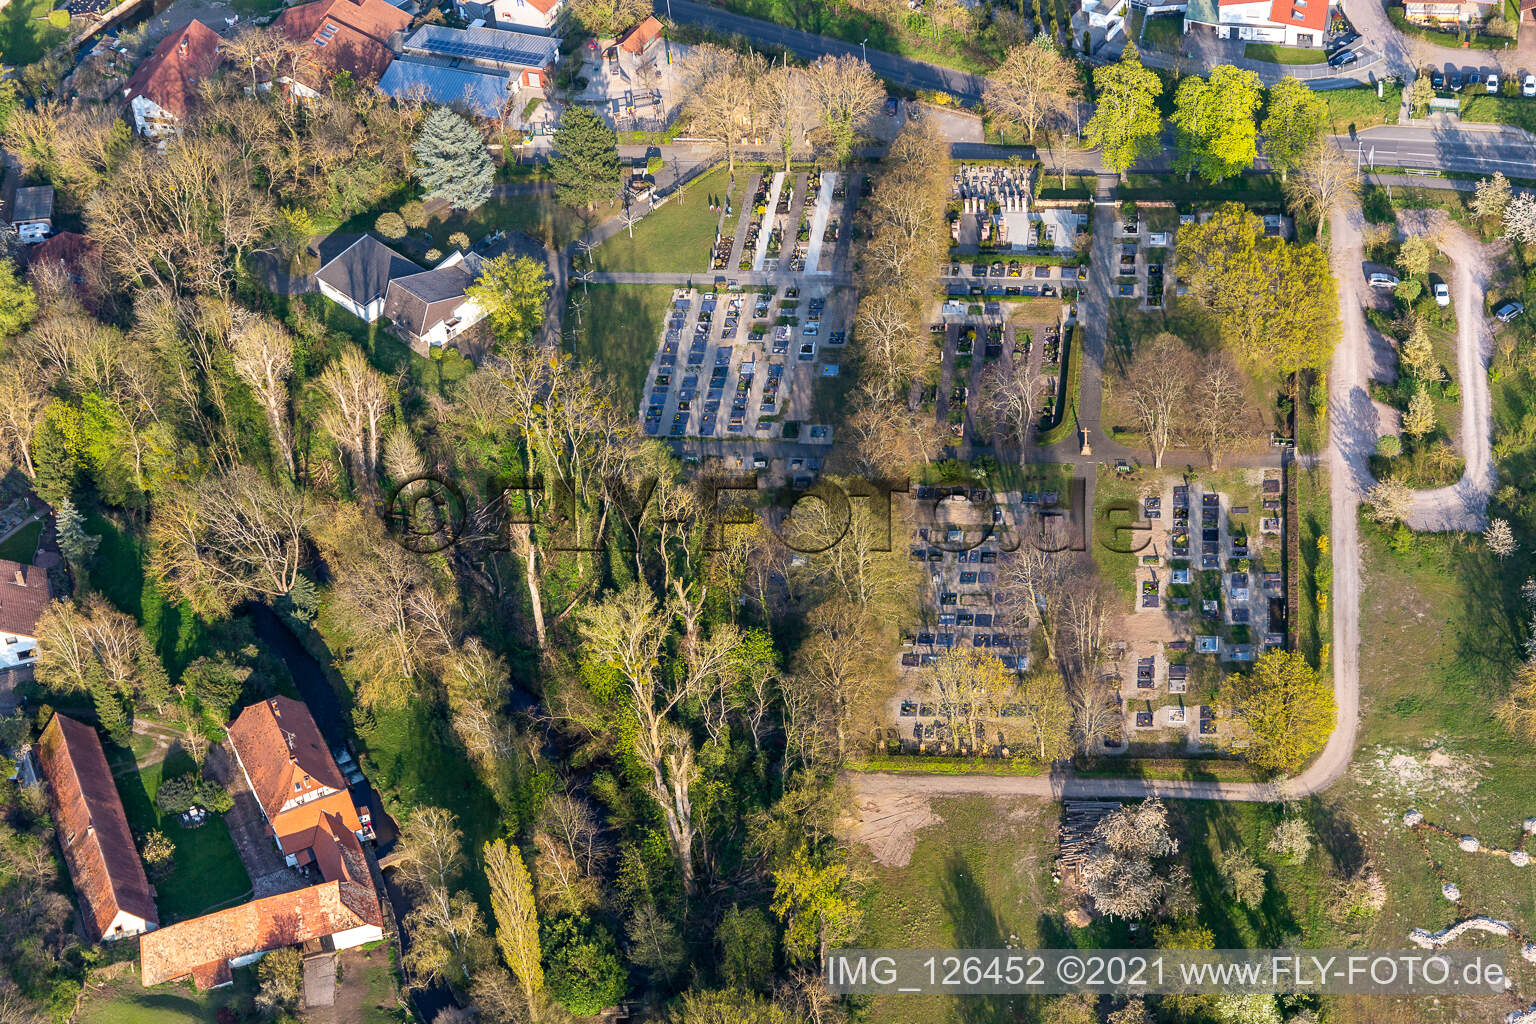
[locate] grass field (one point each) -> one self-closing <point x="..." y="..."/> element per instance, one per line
<point x="25" y="34"/>
<point x="1252" y="189"/>
<point x="21" y="546"/>
<point x="620" y="329"/>
<point x="125" y="1002"/>
<point x="1117" y="567"/>
<point x="1500" y="110"/>
<point x="1284" y="54"/>
<point x="537" y="215"/>
<point x="1441" y="627"/>
<point x="208" y="872"/>
<point x="1164" y="32"/>
<point x="981" y="878"/>
<point x="1359" y="107"/>
<point x="676" y="238"/>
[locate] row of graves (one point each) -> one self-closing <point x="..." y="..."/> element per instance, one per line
<point x="993" y="207"/>
<point x="1216" y="582"/>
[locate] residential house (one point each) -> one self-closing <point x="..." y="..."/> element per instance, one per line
<point x="293" y="777"/>
<point x="28" y="209"/>
<point x="429" y="309"/>
<point x="523" y="15"/>
<point x="340" y="912"/>
<point x="1457" y="12"/>
<point x="164" y="88"/>
<point x="358" y="278"/>
<point x="352" y="36"/>
<point x="1528" y="12"/>
<point x="115" y="898"/>
<point x="640" y="38"/>
<point x="1282" y="22"/>
<point x="480" y="69"/>
<point x="24" y="596"/>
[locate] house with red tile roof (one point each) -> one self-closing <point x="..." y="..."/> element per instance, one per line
<point x="342" y="35"/>
<point x="115" y="898"/>
<point x="522" y="15"/>
<point x="24" y="596"/>
<point x="164" y="88"/>
<point x="293" y="776"/>
<point x="640" y="37"/>
<point x="340" y="912"/>
<point x="1282" y="22"/>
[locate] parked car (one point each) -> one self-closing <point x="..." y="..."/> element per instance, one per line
<point x="1442" y="294"/>
<point x="1528" y="87"/>
<point x="1493" y="82"/>
<point x="1456" y="81"/>
<point x="1509" y="311"/>
<point x="1347" y="39"/>
<point x="1437" y="80"/>
<point x="1342" y="59"/>
<point x="1381" y="279"/>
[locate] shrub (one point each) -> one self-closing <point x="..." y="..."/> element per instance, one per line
<point x="414" y="213"/>
<point x="434" y="255"/>
<point x="390" y="226"/>
<point x="180" y="794"/>
<point x="459" y="240"/>
<point x="59" y="18"/>
<point x="1389" y="446"/>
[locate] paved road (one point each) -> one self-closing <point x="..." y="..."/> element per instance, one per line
<point x="1480" y="150"/>
<point x="913" y="74"/>
<point x="706" y="277"/>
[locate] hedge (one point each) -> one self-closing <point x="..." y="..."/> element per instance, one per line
<point x="1066" y="400"/>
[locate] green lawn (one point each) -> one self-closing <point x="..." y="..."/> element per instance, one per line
<point x="21" y="546"/>
<point x="208" y="871"/>
<point x="620" y="329"/>
<point x="1359" y="107"/>
<point x="125" y="1002"/>
<point x="412" y="756"/>
<point x="537" y="215"/>
<point x="1252" y="189"/>
<point x="1284" y="54"/>
<point x="679" y="236"/>
<point x="1117" y="567"/>
<point x="1164" y="32"/>
<point x="25" y="34"/>
<point x="1500" y="110"/>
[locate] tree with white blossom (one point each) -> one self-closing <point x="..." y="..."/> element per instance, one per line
<point x="1520" y="218"/>
<point x="1492" y="197"/>
<point x="1499" y="538"/>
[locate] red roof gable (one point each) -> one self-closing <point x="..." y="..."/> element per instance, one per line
<point x="638" y="38"/>
<point x="169" y="77"/>
<point x="1308" y="14"/>
<point x="93" y="830"/>
<point x="290" y="770"/>
<point x="346" y="35"/>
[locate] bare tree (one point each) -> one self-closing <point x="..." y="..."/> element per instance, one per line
<point x="22" y="401"/>
<point x="1157" y="384"/>
<point x="892" y="340"/>
<point x="1033" y="581"/>
<point x="1322" y="180"/>
<point x="230" y="537"/>
<point x="1217" y="397"/>
<point x="263" y="358"/>
<point x="787" y="114"/>
<point x="834" y="673"/>
<point x="359" y="401"/>
<point x="1032" y="87"/>
<point x="629" y="631"/>
<point x="847" y="96"/>
<point x="723" y="91"/>
<point x="1011" y="395"/>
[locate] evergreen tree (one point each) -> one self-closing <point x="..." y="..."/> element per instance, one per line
<point x="452" y="161"/>
<point x="78" y="546"/>
<point x="586" y="163"/>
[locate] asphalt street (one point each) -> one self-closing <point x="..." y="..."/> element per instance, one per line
<point x="1476" y="150"/>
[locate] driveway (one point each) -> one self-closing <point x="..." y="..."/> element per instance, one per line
<point x="1464" y="504"/>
